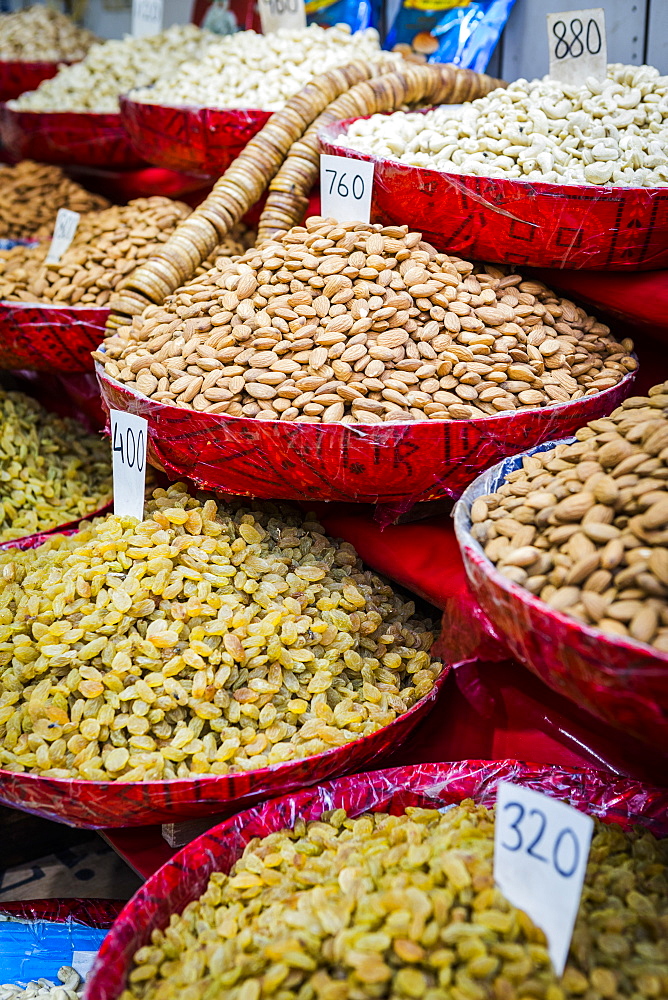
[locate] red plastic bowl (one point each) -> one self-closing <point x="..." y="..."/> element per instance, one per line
<point x="49" y="338"/>
<point x="99" y="804"/>
<point x="69" y="528"/>
<point x="520" y="222"/>
<point x="185" y="877"/>
<point x="367" y="463"/>
<point x="193" y="139"/>
<point x="619" y="680"/>
<point x="85" y="138"/>
<point x="17" y="77"/>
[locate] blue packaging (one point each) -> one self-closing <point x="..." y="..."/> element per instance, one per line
<point x="358" y="14"/>
<point x="463" y="32"/>
<point x="35" y="949"/>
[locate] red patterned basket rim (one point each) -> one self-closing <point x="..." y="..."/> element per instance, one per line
<point x="104" y="117"/>
<point x="36" y="63"/>
<point x="471" y="548"/>
<point x="9" y="305"/>
<point x="352" y="430"/>
<point x="328" y="136"/>
<point x="127" y="99"/>
<point x="222" y="779"/>
<point x="67" y="528"/>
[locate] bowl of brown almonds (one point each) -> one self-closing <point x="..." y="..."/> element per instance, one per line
<point x="566" y="550"/>
<point x="355" y="362"/>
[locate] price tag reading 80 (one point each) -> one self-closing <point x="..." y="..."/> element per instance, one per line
<point x="275" y="14"/>
<point x="541" y="846"/>
<point x="346" y="186"/>
<point x="147" y="17"/>
<point x="63" y="234"/>
<point x="129" y="438"/>
<point x="577" y="44"/>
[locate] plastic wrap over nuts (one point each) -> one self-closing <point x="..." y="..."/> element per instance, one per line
<point x="520" y="222"/>
<point x="39" y="936"/>
<point x="49" y="338"/>
<point x="83" y="137"/>
<point x="99" y="804"/>
<point x="17" y="76"/>
<point x="621" y="681"/>
<point x="199" y="140"/>
<point x="622" y="801"/>
<point x="390" y="463"/>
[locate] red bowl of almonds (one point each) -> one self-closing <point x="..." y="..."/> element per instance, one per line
<point x="193" y="139"/>
<point x="595" y="656"/>
<point x="537" y="224"/>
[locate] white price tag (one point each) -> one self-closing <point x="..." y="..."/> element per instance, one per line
<point x="63" y="234"/>
<point x="82" y="962"/>
<point x="129" y="437"/>
<point x="275" y="14"/>
<point x="146" y="17"/>
<point x="541" y="846"/>
<point x="346" y="186"/>
<point x="577" y="44"/>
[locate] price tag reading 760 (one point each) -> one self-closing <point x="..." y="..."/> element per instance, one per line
<point x="129" y="436"/>
<point x="541" y="846"/>
<point x="346" y="186"/>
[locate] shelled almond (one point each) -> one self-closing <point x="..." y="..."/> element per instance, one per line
<point x="363" y="324"/>
<point x="585" y="526"/>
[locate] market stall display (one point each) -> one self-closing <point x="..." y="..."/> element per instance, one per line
<point x="420" y="898"/>
<point x="31" y="195"/>
<point x="588" y="517"/>
<point x="51" y="473"/>
<point x="33" y="42"/>
<point x="75" y="117"/>
<point x="538" y="173"/>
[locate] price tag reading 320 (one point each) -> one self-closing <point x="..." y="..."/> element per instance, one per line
<point x="63" y="234"/>
<point x="577" y="44"/>
<point x="129" y="436"/>
<point x="541" y="846"/>
<point x="275" y="14"/>
<point x="147" y="17"/>
<point x="346" y="186"/>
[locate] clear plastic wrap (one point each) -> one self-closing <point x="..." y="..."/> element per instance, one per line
<point x="41" y="935"/>
<point x="87" y="138"/>
<point x="99" y="804"/>
<point x="185" y="877"/>
<point x="391" y="463"/>
<point x="619" y="680"/>
<point x="17" y="76"/>
<point x="582" y="226"/>
<point x="194" y="139"/>
<point x="49" y="338"/>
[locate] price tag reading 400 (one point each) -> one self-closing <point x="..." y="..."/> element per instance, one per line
<point x="345" y="188"/>
<point x="147" y="17"/>
<point x="129" y="437"/>
<point x="577" y="43"/>
<point x="541" y="846"/>
<point x="275" y="14"/>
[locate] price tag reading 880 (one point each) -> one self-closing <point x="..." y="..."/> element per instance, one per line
<point x="147" y="16"/>
<point x="577" y="44"/>
<point x="129" y="437"/>
<point x="346" y="186"/>
<point x="275" y="14"/>
<point x="541" y="846"/>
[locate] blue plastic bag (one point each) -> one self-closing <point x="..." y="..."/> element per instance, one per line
<point x="358" y="14"/>
<point x="463" y="32"/>
<point x="34" y="949"/>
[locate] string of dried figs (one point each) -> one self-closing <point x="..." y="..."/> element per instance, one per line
<point x="585" y="526"/>
<point x="51" y="472"/>
<point x="245" y="180"/>
<point x="203" y="640"/>
<point x="31" y="194"/>
<point x="363" y="324"/>
<point x="406" y="906"/>
<point x="106" y="247"/>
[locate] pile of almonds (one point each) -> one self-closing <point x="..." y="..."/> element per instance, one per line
<point x="363" y="324"/>
<point x="585" y="526"/>
<point x="31" y="194"/>
<point x="106" y="246"/>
